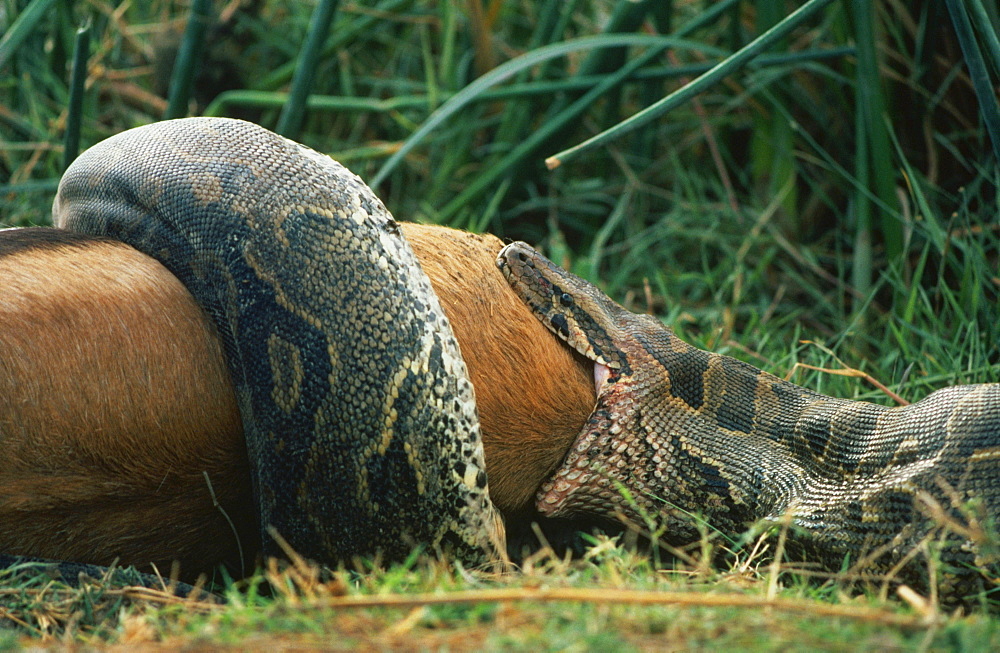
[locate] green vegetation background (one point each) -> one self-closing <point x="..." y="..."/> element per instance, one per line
<point x="833" y="204"/>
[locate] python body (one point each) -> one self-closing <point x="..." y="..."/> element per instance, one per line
<point x="360" y="423"/>
<point x="359" y="420"/>
<point x="689" y="432"/>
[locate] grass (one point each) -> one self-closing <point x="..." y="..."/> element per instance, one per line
<point x="614" y="598"/>
<point x="834" y="206"/>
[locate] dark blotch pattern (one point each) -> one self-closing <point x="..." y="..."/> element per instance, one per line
<point x="858" y="482"/>
<point x="324" y="314"/>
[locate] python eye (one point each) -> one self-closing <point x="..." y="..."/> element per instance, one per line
<point x="566" y="299"/>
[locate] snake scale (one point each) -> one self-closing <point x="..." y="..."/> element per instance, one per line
<point x="360" y="421"/>
<point x="358" y="415"/>
<point x="687" y="432"/>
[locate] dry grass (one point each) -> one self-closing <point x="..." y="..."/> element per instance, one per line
<point x="735" y="219"/>
<point x="614" y="597"/>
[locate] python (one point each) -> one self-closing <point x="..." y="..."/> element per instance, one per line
<point x="118" y="417"/>
<point x="291" y="257"/>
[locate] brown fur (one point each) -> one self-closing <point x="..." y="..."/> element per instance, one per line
<point x="115" y="402"/>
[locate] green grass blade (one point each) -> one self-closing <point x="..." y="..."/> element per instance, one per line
<point x="259" y="99"/>
<point x="988" y="105"/>
<point x="246" y="99"/>
<point x="188" y="60"/>
<point x="626" y="17"/>
<point x="23" y="25"/>
<point x="78" y="77"/>
<point x="518" y="117"/>
<point x="989" y="34"/>
<point x="731" y="64"/>
<point x="570" y="113"/>
<point x="337" y="103"/>
<point x="290" y="121"/>
<point x="873" y="155"/>
<point x="283" y="73"/>
<point x="510" y="68"/>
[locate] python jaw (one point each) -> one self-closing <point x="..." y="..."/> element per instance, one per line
<point x="649" y="450"/>
<point x="602" y="376"/>
<point x="681" y="436"/>
<point x="555" y="300"/>
<point x="553" y="305"/>
<point x="576" y="311"/>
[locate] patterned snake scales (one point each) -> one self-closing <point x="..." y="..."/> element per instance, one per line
<point x="687" y="432"/>
<point x="360" y="420"/>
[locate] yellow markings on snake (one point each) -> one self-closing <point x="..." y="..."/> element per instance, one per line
<point x="206" y="188"/>
<point x="765" y="401"/>
<point x="870" y="514"/>
<point x="364" y="492"/>
<point x="983" y="455"/>
<point x="279" y="223"/>
<point x="471" y="476"/>
<point x="413" y="458"/>
<point x="715" y="383"/>
<point x="407" y="367"/>
<point x="297" y="246"/>
<point x="287" y="372"/>
<point x="359" y="215"/>
<point x="279" y="293"/>
<point x="332" y="379"/>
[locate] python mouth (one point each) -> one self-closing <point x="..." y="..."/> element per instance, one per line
<point x="568" y="477"/>
<point x="602" y="377"/>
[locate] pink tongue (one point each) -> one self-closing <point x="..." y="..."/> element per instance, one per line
<point x="601" y="374"/>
